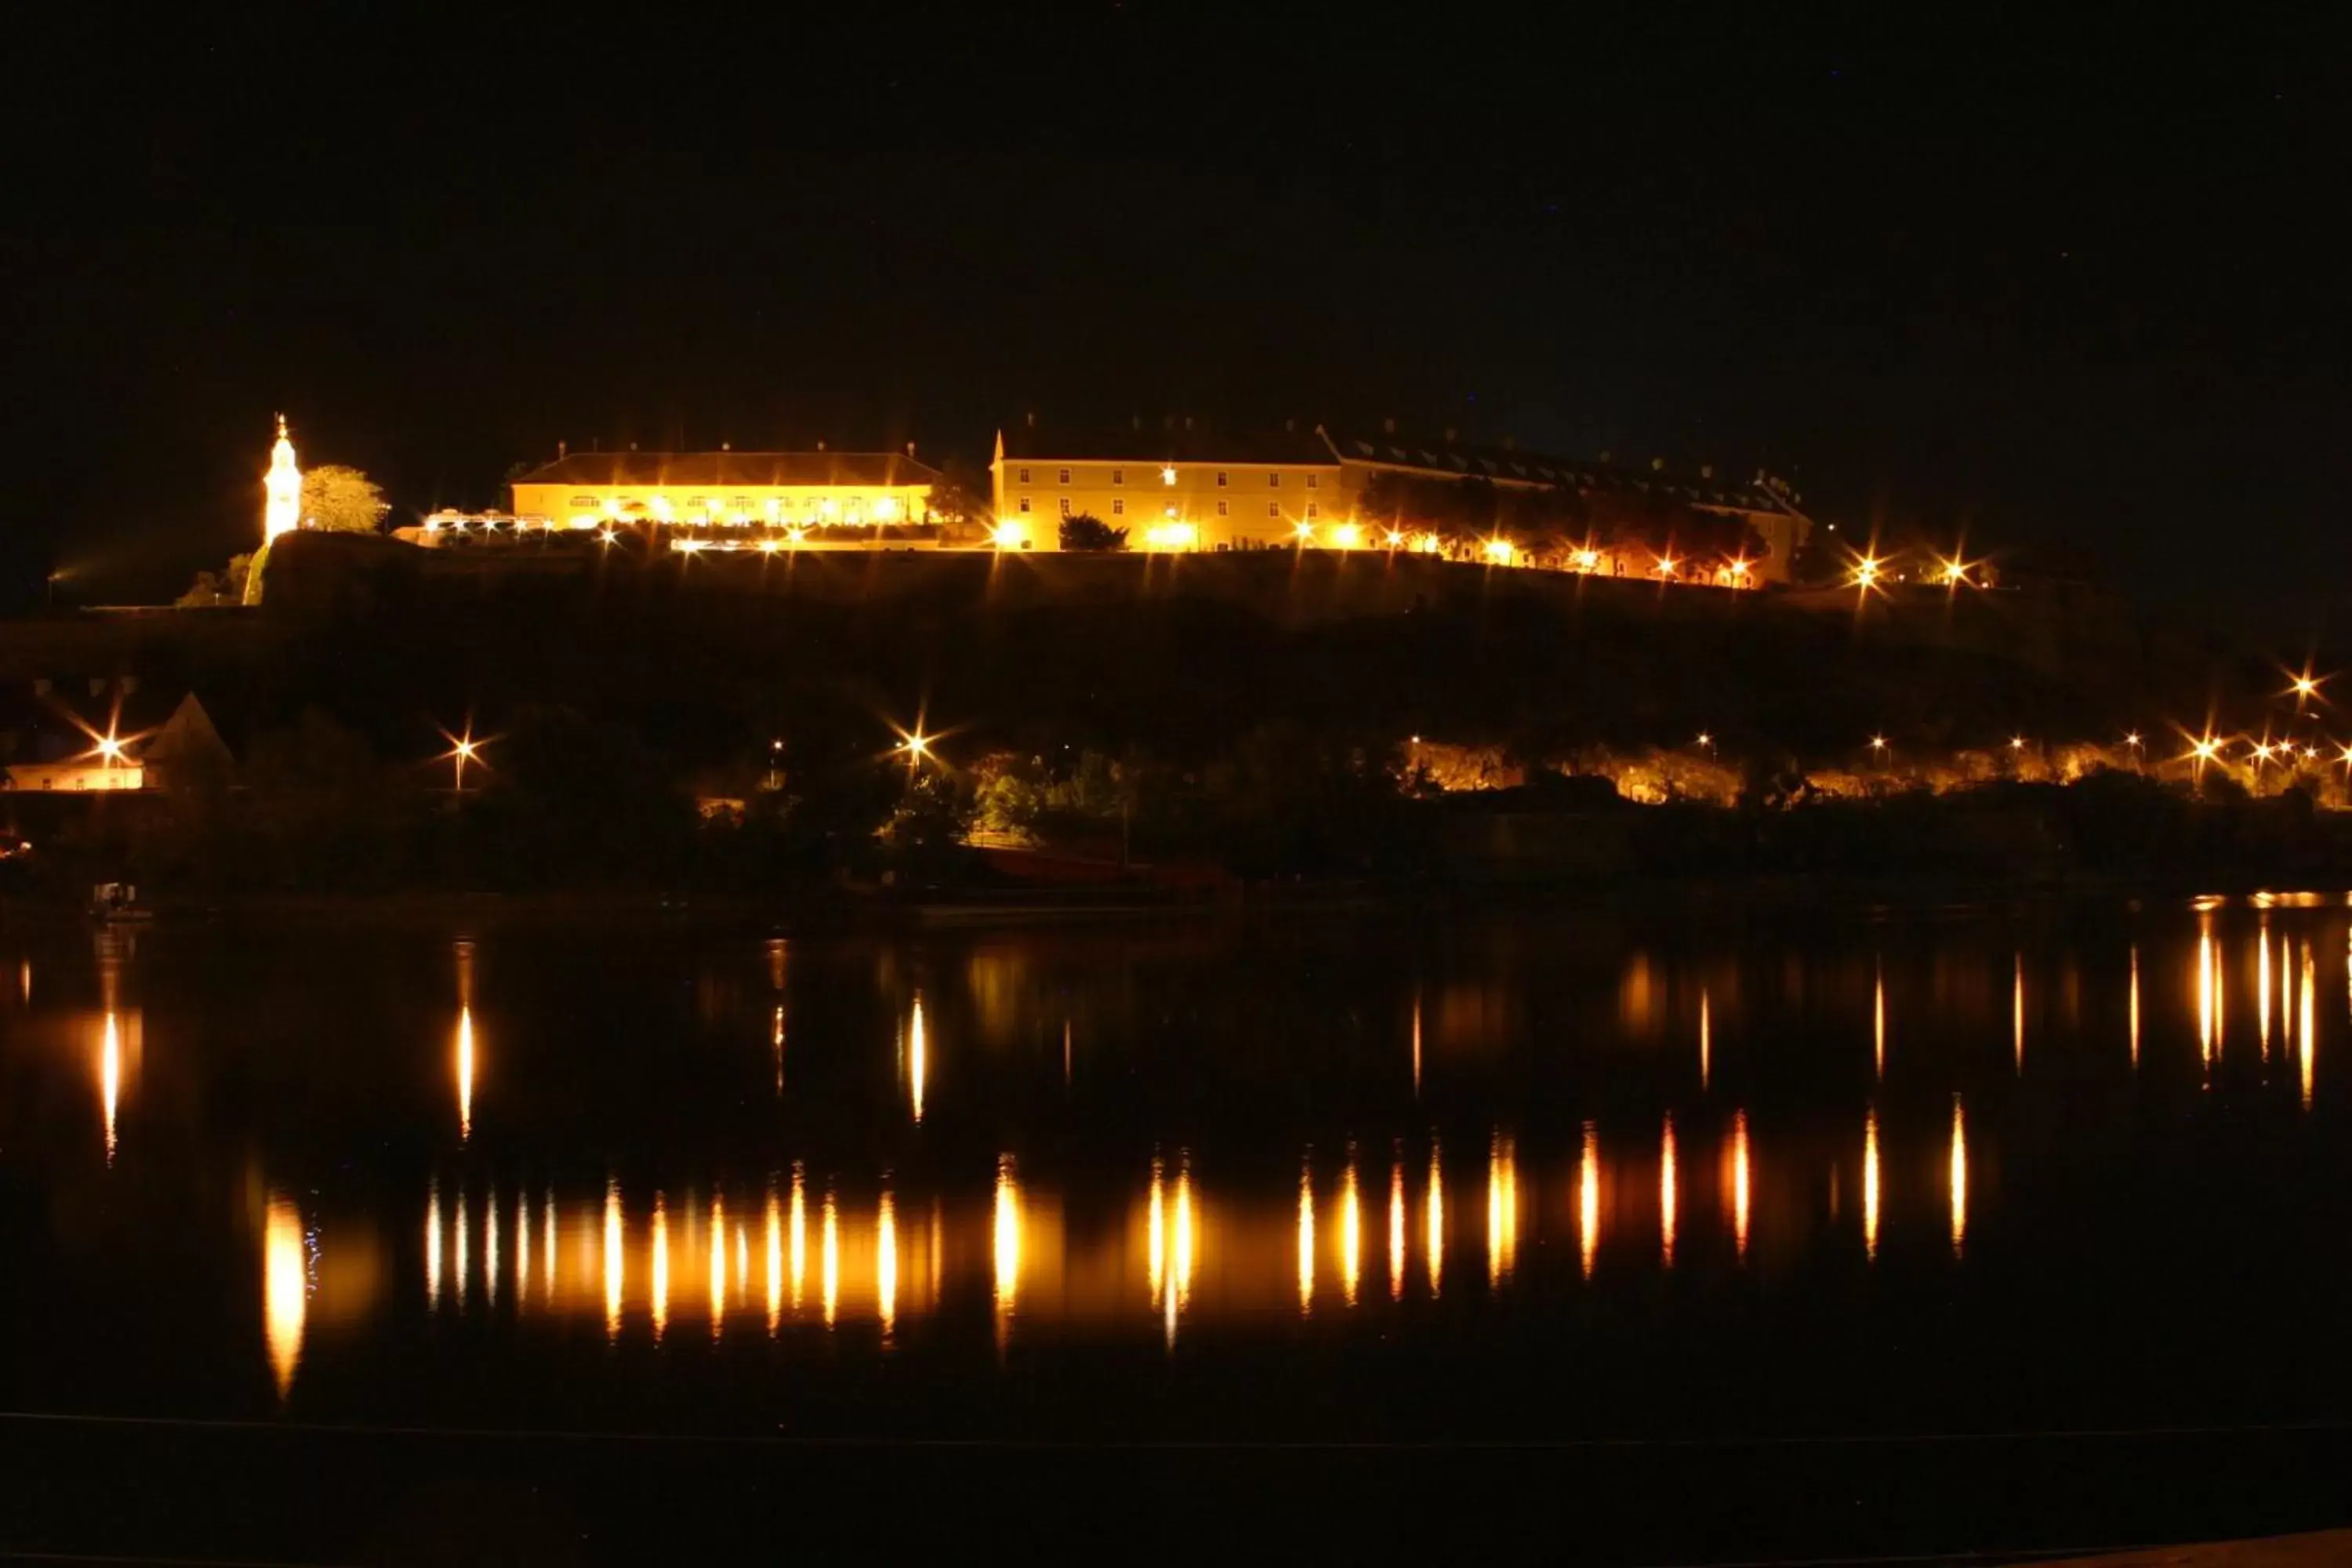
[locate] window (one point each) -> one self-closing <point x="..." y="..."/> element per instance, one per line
<point x="1221" y="479"/>
<point x="1024" y="476"/>
<point x="1222" y="508"/>
<point x="1117" y="508"/>
<point x="1118" y="476"/>
<point x="1310" y="509"/>
<point x="1314" y="481"/>
<point x="1066" y="506"/>
<point x="1066" y="477"/>
<point x="583" y="503"/>
<point x="1273" y="509"/>
<point x="1273" y="481"/>
<point x="1167" y="475"/>
<point x="1024" y="503"/>
<point x="692" y="502"/>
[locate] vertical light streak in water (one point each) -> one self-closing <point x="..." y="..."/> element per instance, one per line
<point x="1306" y="1238"/>
<point x="464" y="1073"/>
<point x="1416" y="1045"/>
<point x="490" y="1269"/>
<point x="886" y="1264"/>
<point x="110" y="1076"/>
<point x="1351" y="1240"/>
<point x="776" y="1045"/>
<point x="718" y="1263"/>
<point x="1156" y="1239"/>
<point x="1396" y="1230"/>
<point x="1186" y="1247"/>
<point x="285" y="1288"/>
<point x="829" y="1260"/>
<point x="546" y="1252"/>
<point x="1066" y="1053"/>
<point x="433" y="1244"/>
<point x="2308" y="1025"/>
<point x="616" y="1265"/>
<point x="1502" y="1207"/>
<point x="2135" y="1006"/>
<point x="1706" y="1038"/>
<point x="1740" y="1180"/>
<point x="1433" y="1218"/>
<point x="1869" y="1184"/>
<point x="522" y="1247"/>
<point x="2017" y="1010"/>
<point x="775" y="1259"/>
<point x="1959" y="1178"/>
<point x="1878" y="1021"/>
<point x="799" y="1236"/>
<point x="1666" y="1197"/>
<point x="458" y="1263"/>
<point x="657" y="1267"/>
<point x="2263" y="991"/>
<point x="24" y="981"/>
<point x="2208" y="993"/>
<point x="1006" y="1238"/>
<point x="916" y="1052"/>
<point x="1587" y="1198"/>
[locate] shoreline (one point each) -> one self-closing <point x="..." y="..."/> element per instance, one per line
<point x="829" y="911"/>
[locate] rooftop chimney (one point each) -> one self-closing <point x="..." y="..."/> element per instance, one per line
<point x="562" y="451"/>
<point x="1707" y="470"/>
<point x="911" y="448"/>
<point x="1388" y="426"/>
<point x="1030" y="419"/>
<point x="1452" y="435"/>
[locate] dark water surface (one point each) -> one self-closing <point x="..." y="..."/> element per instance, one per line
<point x="1713" y="1238"/>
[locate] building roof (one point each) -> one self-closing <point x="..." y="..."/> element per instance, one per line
<point x="731" y="471"/>
<point x="1167" y="441"/>
<point x="1446" y="458"/>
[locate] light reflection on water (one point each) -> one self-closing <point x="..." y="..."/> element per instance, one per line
<point x="1178" y="1240"/>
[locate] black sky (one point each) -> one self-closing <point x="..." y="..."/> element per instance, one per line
<point x="2082" y="293"/>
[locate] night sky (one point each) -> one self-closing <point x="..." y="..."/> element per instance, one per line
<point x="2082" y="295"/>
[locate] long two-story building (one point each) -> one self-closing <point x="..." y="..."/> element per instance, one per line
<point x="1178" y="486"/>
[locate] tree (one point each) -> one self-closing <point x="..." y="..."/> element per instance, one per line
<point x="342" y="500"/>
<point x="1084" y="531"/>
<point x="961" y="497"/>
<point x="212" y="588"/>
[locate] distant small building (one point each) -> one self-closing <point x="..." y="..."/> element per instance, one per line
<point x="133" y="739"/>
<point x="820" y="497"/>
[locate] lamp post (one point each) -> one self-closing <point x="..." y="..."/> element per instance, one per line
<point x="462" y="753"/>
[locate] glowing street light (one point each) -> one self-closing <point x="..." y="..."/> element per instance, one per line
<point x="1867" y="571"/>
<point x="1395" y="538"/>
<point x="1586" y="560"/>
<point x="2017" y="742"/>
<point x="1739" y="570"/>
<point x="2304" y="687"/>
<point x="2133" y="740"/>
<point x="110" y="749"/>
<point x="1167" y="475"/>
<point x="1499" y="549"/>
<point x="1304" y="531"/>
<point x="1878" y="744"/>
<point x="1666" y="565"/>
<point x="606" y="536"/>
<point x="1956" y="573"/>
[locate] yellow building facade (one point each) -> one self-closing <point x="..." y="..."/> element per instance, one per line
<point x="1171" y="490"/>
<point x="1175" y="488"/>
<point x="830" y="497"/>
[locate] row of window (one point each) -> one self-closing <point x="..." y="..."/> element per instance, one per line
<point x="1167" y="476"/>
<point x="1224" y="508"/>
